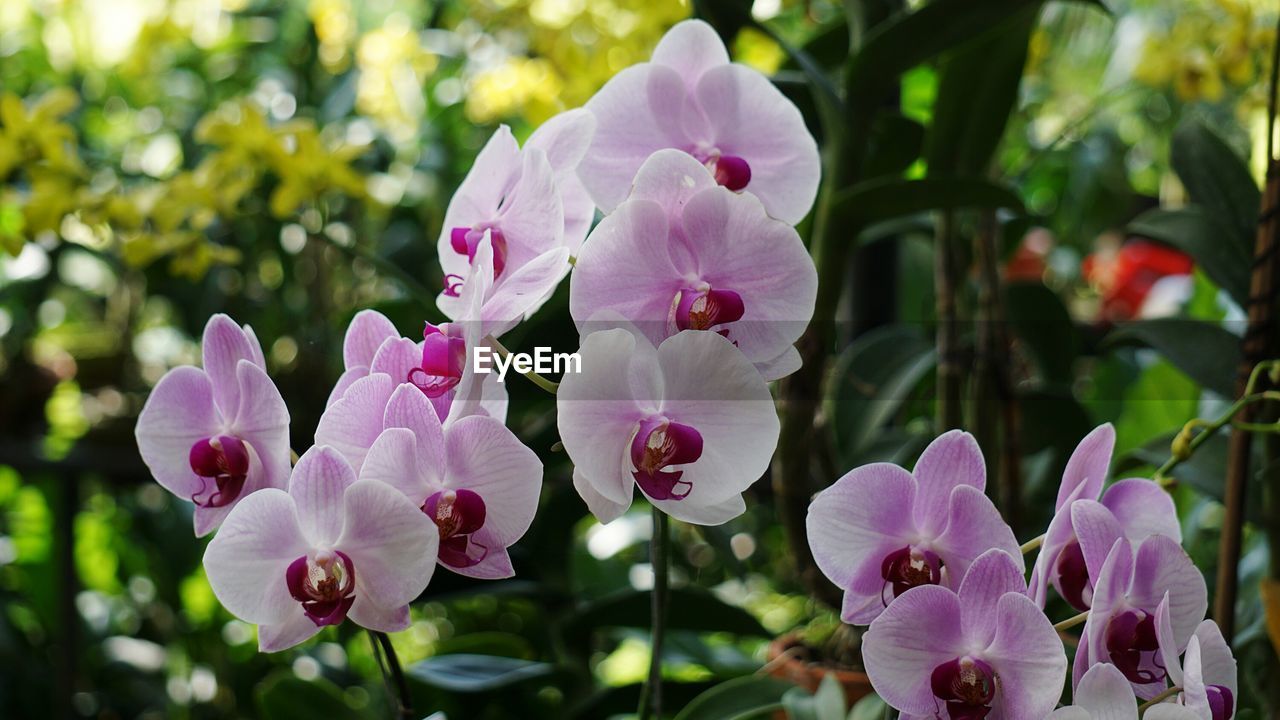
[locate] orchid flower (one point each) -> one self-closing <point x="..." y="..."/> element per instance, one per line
<point x="1123" y="627"/>
<point x="473" y="478"/>
<point x="330" y="548"/>
<point x="690" y="422"/>
<point x="684" y="253"/>
<point x="1135" y="508"/>
<point x="983" y="651"/>
<point x="1209" y="678"/>
<point x="727" y="116"/>
<point x="527" y="203"/>
<point x="879" y="531"/>
<point x="1105" y="694"/>
<point x="214" y="435"/>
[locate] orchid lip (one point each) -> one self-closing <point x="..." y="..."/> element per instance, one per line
<point x="657" y="445"/>
<point x="731" y="171"/>
<point x="967" y="685"/>
<point x="458" y="515"/>
<point x="1073" y="577"/>
<point x="465" y="241"/>
<point x="909" y="567"/>
<point x="324" y="582"/>
<point x="443" y="357"/>
<point x="1133" y="647"/>
<point x="702" y="308"/>
<point x="222" y="462"/>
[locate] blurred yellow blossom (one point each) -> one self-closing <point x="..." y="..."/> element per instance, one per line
<point x="335" y="26"/>
<point x="758" y="50"/>
<point x="1213" y="47"/>
<point x="393" y="69"/>
<point x="528" y="86"/>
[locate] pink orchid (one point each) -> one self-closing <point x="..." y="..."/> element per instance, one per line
<point x="684" y="253"/>
<point x="1123" y="627"/>
<point x="1209" y="679"/>
<point x="439" y="365"/>
<point x="1135" y="508"/>
<point x="527" y="203"/>
<point x="982" y="651"/>
<point x="330" y="548"/>
<point x="727" y="116"/>
<point x="1105" y="694"/>
<point x="214" y="435"/>
<point x="879" y="531"/>
<point x="473" y="478"/>
<point x="690" y="422"/>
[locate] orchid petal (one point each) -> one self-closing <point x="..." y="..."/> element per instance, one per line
<point x="1028" y="655"/>
<point x="952" y="460"/>
<point x="1105" y="693"/>
<point x="246" y="561"/>
<point x="319" y="482"/>
<point x="1088" y="465"/>
<point x="223" y="346"/>
<point x="1143" y="509"/>
<point x="179" y="412"/>
<point x="917" y="632"/>
<point x="352" y="423"/>
<point x="391" y="543"/>
<point x="296" y="629"/>
<point x="487" y="458"/>
<point x="988" y="578"/>
<point x="366" y="333"/>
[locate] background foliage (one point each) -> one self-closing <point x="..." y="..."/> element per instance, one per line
<point x="289" y="163"/>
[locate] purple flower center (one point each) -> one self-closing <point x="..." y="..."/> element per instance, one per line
<point x="658" y="444"/>
<point x="967" y="685"/>
<point x="1133" y="647"/>
<point x="324" y="582"/>
<point x="1222" y="703"/>
<point x="1073" y="577"/>
<point x="704" y="308"/>
<point x="465" y="241"/>
<point x="223" y="463"/>
<point x="731" y="171"/>
<point x="909" y="567"/>
<point x="443" y="357"/>
<point x="457" y="515"/>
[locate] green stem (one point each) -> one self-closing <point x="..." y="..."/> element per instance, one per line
<point x="1158" y="699"/>
<point x="1186" y="443"/>
<point x="382" y="648"/>
<point x="1032" y="544"/>
<point x="548" y="385"/>
<point x="1072" y="621"/>
<point x="651" y="693"/>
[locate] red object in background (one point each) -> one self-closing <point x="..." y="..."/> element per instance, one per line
<point x="1029" y="260"/>
<point x="1126" y="276"/>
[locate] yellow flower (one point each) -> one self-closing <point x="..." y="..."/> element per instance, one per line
<point x="1196" y="77"/>
<point x="758" y="50"/>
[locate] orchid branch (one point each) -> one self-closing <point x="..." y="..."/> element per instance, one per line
<point x="1158" y="699"/>
<point x="382" y="648"/>
<point x="1071" y="621"/>
<point x="548" y="385"/>
<point x="651" y="693"/>
<point x="1032" y="544"/>
<point x="1188" y="440"/>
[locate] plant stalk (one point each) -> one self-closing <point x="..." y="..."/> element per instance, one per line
<point x="550" y="386"/>
<point x="651" y="693"/>
<point x="1072" y="621"/>
<point x="382" y="648"/>
<point x="948" y="337"/>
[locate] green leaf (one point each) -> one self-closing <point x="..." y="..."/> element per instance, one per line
<point x="895" y="144"/>
<point x="872" y="379"/>
<point x="1204" y="351"/>
<point x="1217" y="179"/>
<point x="1224" y="256"/>
<point x="1039" y="319"/>
<point x="977" y="89"/>
<point x="882" y="199"/>
<point x="743" y="697"/>
<point x="287" y="697"/>
<point x="476" y="673"/>
<point x="870" y="707"/>
<point x="700" y="611"/>
<point x="826" y="704"/>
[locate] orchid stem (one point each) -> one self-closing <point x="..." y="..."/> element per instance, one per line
<point x="415" y="289"/>
<point x="1159" y="698"/>
<point x="548" y="385"/>
<point x="1032" y="544"/>
<point x="382" y="648"/>
<point x="651" y="693"/>
<point x="1072" y="621"/>
<point x="1186" y="443"/>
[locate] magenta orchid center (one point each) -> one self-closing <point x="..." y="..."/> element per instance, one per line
<point x="465" y="241"/>
<point x="458" y="514"/>
<point x="223" y="463"/>
<point x="1222" y="703"/>
<point x="1073" y="577"/>
<point x="703" y="308"/>
<point x="443" y="357"/>
<point x="657" y="445"/>
<point x="909" y="567"/>
<point x="1132" y="646"/>
<point x="324" y="582"/>
<point x="731" y="171"/>
<point x="967" y="685"/>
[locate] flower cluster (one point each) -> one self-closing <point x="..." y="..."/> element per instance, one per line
<point x="956" y="631"/>
<point x="689" y="295"/>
